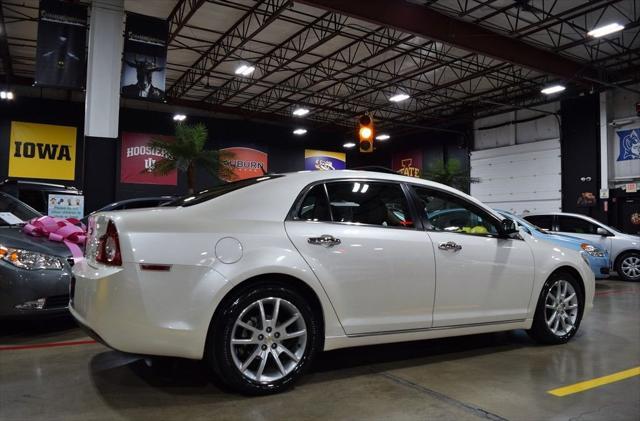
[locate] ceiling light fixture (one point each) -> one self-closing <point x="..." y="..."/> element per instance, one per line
<point x="179" y="117"/>
<point x="299" y="132"/>
<point x="245" y="70"/>
<point x="349" y="145"/>
<point x="605" y="30"/>
<point x="383" y="136"/>
<point x="553" y="89"/>
<point x="399" y="97"/>
<point x="7" y="95"/>
<point x="299" y="112"/>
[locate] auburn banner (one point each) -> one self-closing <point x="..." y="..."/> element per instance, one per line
<point x="42" y="151"/>
<point x="62" y="40"/>
<point x="324" y="160"/>
<point x="246" y="162"/>
<point x="145" y="57"/>
<point x="137" y="160"/>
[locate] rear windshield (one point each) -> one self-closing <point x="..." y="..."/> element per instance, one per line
<point x="212" y="193"/>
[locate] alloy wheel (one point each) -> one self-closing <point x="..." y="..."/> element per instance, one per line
<point x="268" y="339"/>
<point x="630" y="267"/>
<point x="561" y="308"/>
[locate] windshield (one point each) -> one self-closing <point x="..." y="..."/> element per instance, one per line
<point x="212" y="193"/>
<point x="13" y="211"/>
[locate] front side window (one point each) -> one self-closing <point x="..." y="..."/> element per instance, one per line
<point x="576" y="225"/>
<point x="544" y="222"/>
<point x="446" y="212"/>
<point x="371" y="203"/>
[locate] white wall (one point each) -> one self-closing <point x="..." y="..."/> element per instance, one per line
<point x="621" y="108"/>
<point x="518" y="163"/>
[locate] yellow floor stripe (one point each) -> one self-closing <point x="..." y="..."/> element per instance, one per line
<point x="600" y="381"/>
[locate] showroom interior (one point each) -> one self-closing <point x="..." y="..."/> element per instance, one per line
<point x="532" y="107"/>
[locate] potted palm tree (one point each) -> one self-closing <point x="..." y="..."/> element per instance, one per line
<point x="450" y="173"/>
<point x="187" y="153"/>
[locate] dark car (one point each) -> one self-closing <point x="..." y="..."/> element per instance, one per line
<point x="36" y="194"/>
<point x="34" y="272"/>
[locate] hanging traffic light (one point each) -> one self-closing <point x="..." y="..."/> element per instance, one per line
<point x="366" y="134"/>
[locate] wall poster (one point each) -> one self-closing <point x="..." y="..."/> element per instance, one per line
<point x="137" y="160"/>
<point x="145" y="57"/>
<point x="315" y="160"/>
<point x="62" y="40"/>
<point x="246" y="162"/>
<point x="42" y="151"/>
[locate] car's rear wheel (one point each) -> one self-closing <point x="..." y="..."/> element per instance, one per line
<point x="264" y="339"/>
<point x="559" y="310"/>
<point x="628" y="266"/>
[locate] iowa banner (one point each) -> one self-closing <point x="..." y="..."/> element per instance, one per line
<point x="62" y="39"/>
<point x="137" y="160"/>
<point x="145" y="57"/>
<point x="42" y="151"/>
<point x="407" y="163"/>
<point x="315" y="160"/>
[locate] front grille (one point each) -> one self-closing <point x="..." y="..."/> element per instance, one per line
<point x="56" y="301"/>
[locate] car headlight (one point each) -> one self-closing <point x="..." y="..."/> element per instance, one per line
<point x="31" y="260"/>
<point x="593" y="251"/>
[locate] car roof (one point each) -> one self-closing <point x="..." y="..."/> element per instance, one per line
<point x="578" y="215"/>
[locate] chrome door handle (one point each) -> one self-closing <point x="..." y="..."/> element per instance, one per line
<point x="449" y="245"/>
<point x="324" y="240"/>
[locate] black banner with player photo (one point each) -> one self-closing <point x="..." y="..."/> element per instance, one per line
<point x="62" y="41"/>
<point x="145" y="57"/>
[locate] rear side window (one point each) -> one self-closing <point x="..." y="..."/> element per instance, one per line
<point x="541" y="221"/>
<point x="371" y="203"/>
<point x="575" y="225"/>
<point x="315" y="206"/>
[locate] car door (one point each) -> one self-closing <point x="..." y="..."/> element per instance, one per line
<point x="360" y="240"/>
<point x="481" y="277"/>
<point x="583" y="228"/>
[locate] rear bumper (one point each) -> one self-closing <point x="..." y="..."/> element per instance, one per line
<point x="148" y="313"/>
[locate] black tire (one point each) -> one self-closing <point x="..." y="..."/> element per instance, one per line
<point x="219" y="353"/>
<point x="540" y="331"/>
<point x="624" y="257"/>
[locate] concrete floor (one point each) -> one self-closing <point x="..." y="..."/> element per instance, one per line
<point x="494" y="376"/>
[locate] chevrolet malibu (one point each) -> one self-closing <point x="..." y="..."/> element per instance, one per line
<point x="257" y="276"/>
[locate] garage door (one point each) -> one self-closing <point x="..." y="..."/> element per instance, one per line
<point x="519" y="178"/>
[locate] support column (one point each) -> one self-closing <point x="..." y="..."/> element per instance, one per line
<point x="604" y="144"/>
<point x="102" y="102"/>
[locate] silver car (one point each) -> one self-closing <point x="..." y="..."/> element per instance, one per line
<point x="624" y="249"/>
<point x="34" y="272"/>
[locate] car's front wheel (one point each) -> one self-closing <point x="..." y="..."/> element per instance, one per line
<point x="263" y="339"/>
<point x="628" y="266"/>
<point x="559" y="310"/>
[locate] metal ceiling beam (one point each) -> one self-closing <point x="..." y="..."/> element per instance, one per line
<point x="180" y="15"/>
<point x="261" y="15"/>
<point x="424" y="22"/>
<point x="5" y="55"/>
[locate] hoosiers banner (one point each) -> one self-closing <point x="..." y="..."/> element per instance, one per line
<point x="42" y="151"/>
<point x="145" y="57"/>
<point x="137" y="160"/>
<point x="324" y="160"/>
<point x="62" y="39"/>
<point x="246" y="162"/>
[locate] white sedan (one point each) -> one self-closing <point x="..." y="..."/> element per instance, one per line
<point x="258" y="275"/>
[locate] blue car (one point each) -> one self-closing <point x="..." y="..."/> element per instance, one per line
<point x="598" y="259"/>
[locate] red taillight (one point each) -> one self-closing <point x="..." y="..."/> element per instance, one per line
<point x="109" y="247"/>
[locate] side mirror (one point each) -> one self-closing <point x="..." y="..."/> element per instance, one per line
<point x="508" y="226"/>
<point x="603" y="232"/>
